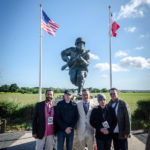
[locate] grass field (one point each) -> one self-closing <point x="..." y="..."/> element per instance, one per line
<point x="25" y="99"/>
<point x="19" y="116"/>
<point x="21" y="99"/>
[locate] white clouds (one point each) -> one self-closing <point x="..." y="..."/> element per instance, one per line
<point x="104" y="76"/>
<point x="125" y="63"/>
<point x="144" y="36"/>
<point x="136" y="62"/>
<point x="148" y="1"/>
<point x="139" y="48"/>
<point x="92" y="56"/>
<point x="102" y="66"/>
<point x="130" y="29"/>
<point x="148" y="59"/>
<point x="118" y="68"/>
<point x="120" y="54"/>
<point x="133" y="9"/>
<point x="105" y="67"/>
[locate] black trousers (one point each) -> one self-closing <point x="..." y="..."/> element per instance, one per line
<point x="119" y="144"/>
<point x="103" y="144"/>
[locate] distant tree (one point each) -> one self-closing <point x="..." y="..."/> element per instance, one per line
<point x="104" y="90"/>
<point x="13" y="88"/>
<point x="95" y="90"/>
<point x="90" y="89"/>
<point x="4" y="88"/>
<point x="35" y="91"/>
<point x="43" y="90"/>
<point x="73" y="90"/>
<point x="25" y="90"/>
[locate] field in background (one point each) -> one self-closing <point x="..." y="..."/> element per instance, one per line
<point x="26" y="99"/>
<point x="22" y="99"/>
<point x="17" y="109"/>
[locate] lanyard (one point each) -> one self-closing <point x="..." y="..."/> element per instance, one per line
<point x="49" y="109"/>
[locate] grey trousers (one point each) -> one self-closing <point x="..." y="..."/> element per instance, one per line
<point x="46" y="141"/>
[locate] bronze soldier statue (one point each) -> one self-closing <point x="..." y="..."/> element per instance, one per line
<point x="77" y="60"/>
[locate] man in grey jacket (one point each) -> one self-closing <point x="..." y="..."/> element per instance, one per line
<point x="122" y="129"/>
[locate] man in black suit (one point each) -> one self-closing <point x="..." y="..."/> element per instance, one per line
<point x="43" y="123"/>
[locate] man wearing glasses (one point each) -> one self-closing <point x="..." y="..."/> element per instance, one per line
<point x="122" y="129"/>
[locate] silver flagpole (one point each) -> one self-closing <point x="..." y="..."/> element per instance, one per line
<point x="110" y="34"/>
<point x="40" y="72"/>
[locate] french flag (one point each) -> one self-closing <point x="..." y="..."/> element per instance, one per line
<point x="114" y="27"/>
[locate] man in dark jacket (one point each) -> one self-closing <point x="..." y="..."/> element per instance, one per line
<point x="43" y="124"/>
<point x="122" y="129"/>
<point x="66" y="118"/>
<point x="103" y="119"/>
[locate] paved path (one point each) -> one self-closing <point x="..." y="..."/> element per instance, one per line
<point x="23" y="141"/>
<point x="17" y="141"/>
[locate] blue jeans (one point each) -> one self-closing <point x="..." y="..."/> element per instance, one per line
<point x="61" y="135"/>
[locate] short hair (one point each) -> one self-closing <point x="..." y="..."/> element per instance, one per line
<point x="48" y="91"/>
<point x="113" y="89"/>
<point x="101" y="97"/>
<point x="84" y="90"/>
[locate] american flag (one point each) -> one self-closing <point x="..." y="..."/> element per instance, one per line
<point x="48" y="25"/>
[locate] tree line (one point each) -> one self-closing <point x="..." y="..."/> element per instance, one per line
<point x="14" y="88"/>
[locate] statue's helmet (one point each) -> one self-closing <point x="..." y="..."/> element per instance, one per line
<point x="79" y="40"/>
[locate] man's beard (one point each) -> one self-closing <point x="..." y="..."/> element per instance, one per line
<point x="48" y="99"/>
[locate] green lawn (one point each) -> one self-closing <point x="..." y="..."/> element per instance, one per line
<point x="24" y="108"/>
<point x="24" y="99"/>
<point x="21" y="99"/>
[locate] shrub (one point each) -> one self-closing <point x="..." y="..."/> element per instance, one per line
<point x="25" y="112"/>
<point x="141" y="116"/>
<point x="7" y="109"/>
<point x="17" y="117"/>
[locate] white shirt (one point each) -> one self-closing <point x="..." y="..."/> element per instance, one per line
<point x="116" y="130"/>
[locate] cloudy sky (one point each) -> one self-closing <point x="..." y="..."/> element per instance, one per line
<point x="20" y="42"/>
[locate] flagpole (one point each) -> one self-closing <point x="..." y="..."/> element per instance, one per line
<point x="40" y="66"/>
<point x="110" y="47"/>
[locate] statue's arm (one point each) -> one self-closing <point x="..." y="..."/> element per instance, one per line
<point x="65" y="53"/>
<point x="85" y="60"/>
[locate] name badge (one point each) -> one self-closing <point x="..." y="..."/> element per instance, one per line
<point x="105" y="124"/>
<point x="50" y="120"/>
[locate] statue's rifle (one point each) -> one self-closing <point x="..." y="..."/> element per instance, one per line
<point x="73" y="60"/>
